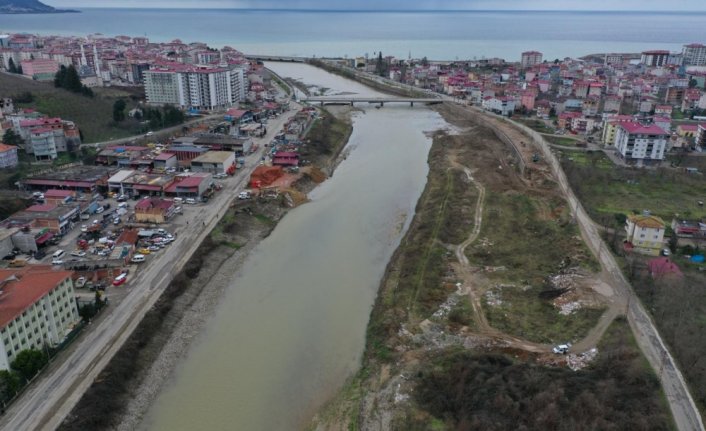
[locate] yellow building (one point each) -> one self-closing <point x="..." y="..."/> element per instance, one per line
<point x="645" y="233"/>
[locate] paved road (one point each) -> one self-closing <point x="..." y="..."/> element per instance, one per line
<point x="49" y="399"/>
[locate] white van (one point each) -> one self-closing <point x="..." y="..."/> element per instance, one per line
<point x="58" y="254"/>
<point x="138" y="258"/>
<point x="190" y="201"/>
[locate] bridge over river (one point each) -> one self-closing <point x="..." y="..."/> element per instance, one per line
<point x="380" y="101"/>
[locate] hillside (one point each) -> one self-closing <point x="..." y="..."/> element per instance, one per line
<point x="28" y="6"/>
<point x="94" y="116"/>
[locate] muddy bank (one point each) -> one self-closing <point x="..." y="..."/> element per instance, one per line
<point x="125" y="389"/>
<point x="433" y="334"/>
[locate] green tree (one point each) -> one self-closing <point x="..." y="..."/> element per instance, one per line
<point x="19" y="69"/>
<point x="11" y="67"/>
<point x="60" y="77"/>
<point x="172" y="116"/>
<point x="12" y="138"/>
<point x="28" y="362"/>
<point x="9" y="385"/>
<point x="119" y="110"/>
<point x="693" y="83"/>
<point x="72" y="81"/>
<point x="379" y="66"/>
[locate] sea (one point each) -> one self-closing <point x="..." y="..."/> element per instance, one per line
<point x="437" y="35"/>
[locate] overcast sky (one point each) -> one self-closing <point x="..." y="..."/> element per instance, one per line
<point x="628" y="5"/>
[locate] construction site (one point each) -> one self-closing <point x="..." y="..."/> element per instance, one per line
<point x="493" y="306"/>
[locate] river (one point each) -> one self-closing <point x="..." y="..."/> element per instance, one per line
<point x="291" y="327"/>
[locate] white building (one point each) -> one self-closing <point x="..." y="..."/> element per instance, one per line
<point x="530" y="58"/>
<point x="645" y="233"/>
<point x="654" y="58"/>
<point x="199" y="87"/>
<point x="499" y="105"/>
<point x="37" y="309"/>
<point x="643" y="142"/>
<point x="694" y="54"/>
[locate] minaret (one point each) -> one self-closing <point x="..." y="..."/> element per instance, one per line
<point x="96" y="61"/>
<point x="84" y="62"/>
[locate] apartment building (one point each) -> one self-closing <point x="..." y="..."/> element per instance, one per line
<point x="694" y="54"/>
<point x="37" y="309"/>
<point x="655" y="58"/>
<point x="530" y="58"/>
<point x="198" y="87"/>
<point x="635" y="141"/>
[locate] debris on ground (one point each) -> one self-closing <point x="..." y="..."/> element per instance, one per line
<point x="580" y="361"/>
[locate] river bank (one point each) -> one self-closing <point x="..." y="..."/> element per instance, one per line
<point x="124" y="391"/>
<point x="445" y="322"/>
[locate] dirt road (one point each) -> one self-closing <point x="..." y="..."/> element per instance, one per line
<point x="48" y="400"/>
<point x="686" y="414"/>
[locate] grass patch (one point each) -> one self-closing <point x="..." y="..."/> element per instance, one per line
<point x="532" y="238"/>
<point x="264" y="219"/>
<point x="523" y="313"/>
<point x="469" y="391"/>
<point x="93" y="116"/>
<point x="536" y="125"/>
<point x="606" y="190"/>
<point x="560" y="140"/>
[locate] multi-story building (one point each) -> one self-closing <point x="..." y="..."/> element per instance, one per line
<point x="500" y="105"/>
<point x="8" y="156"/>
<point x="197" y="87"/>
<point x="530" y="58"/>
<point x="37" y="309"/>
<point x="655" y="58"/>
<point x="645" y="233"/>
<point x="636" y="141"/>
<point x="694" y="54"/>
<point x="40" y="69"/>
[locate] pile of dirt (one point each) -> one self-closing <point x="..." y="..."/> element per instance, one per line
<point x="263" y="176"/>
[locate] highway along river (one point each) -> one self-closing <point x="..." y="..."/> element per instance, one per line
<point x="291" y="327"/>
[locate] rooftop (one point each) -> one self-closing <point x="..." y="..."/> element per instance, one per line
<point x="650" y="221"/>
<point x="641" y="129"/>
<point x="214" y="157"/>
<point x="22" y="287"/>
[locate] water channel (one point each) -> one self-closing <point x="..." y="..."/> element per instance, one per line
<point x="291" y="327"/>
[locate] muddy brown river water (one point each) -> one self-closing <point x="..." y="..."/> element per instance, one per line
<point x="291" y="327"/>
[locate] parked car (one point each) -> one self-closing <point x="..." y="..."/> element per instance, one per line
<point x="40" y="254"/>
<point x="116" y="220"/>
<point x="153" y="248"/>
<point x="138" y="258"/>
<point x="666" y="252"/>
<point x="57" y="262"/>
<point x="190" y="201"/>
<point x="561" y="349"/>
<point x="122" y="278"/>
<point x="81" y="281"/>
<point x="143" y="250"/>
<point x="78" y="253"/>
<point x="99" y="210"/>
<point x="244" y="195"/>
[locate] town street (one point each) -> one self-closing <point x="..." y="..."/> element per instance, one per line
<point x="49" y="399"/>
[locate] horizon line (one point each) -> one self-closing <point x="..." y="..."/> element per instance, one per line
<point x="392" y="10"/>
